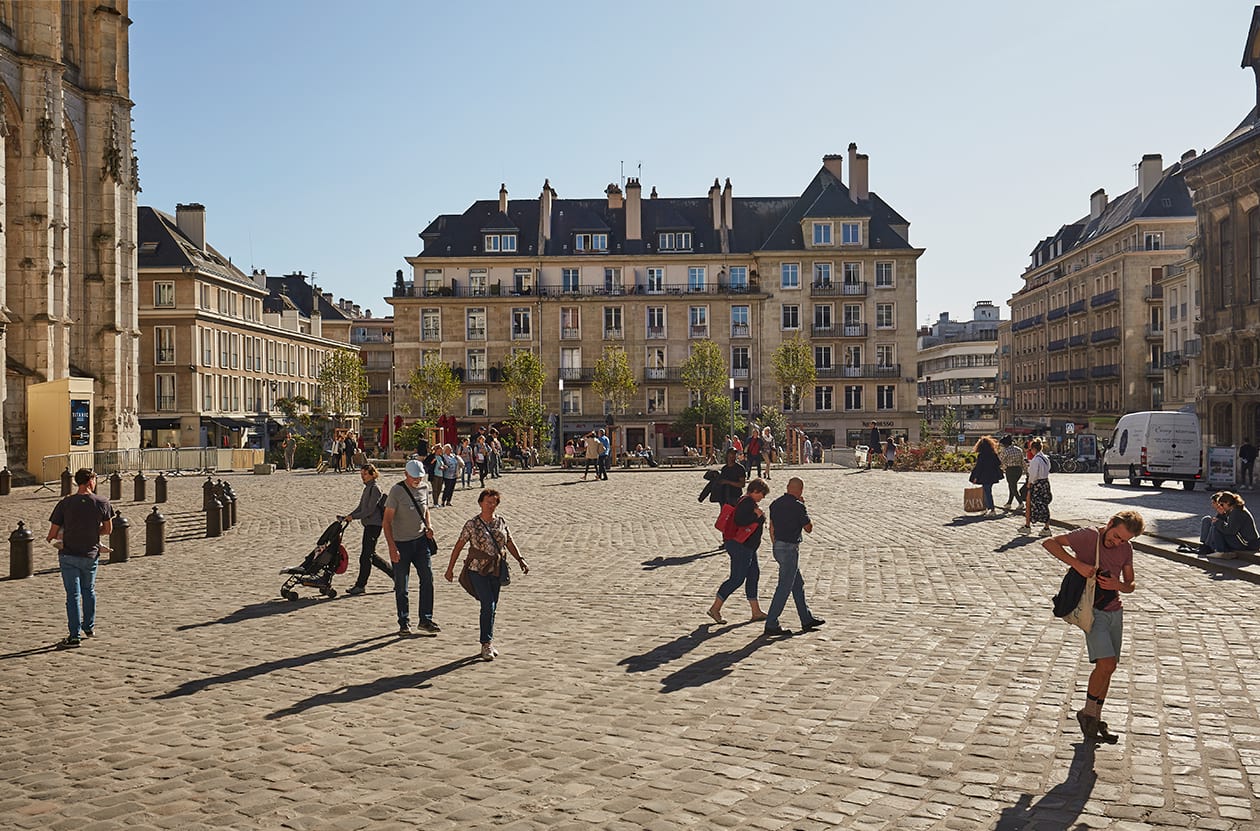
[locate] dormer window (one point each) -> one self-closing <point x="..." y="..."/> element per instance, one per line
<point x="822" y="233"/>
<point x="674" y="241"/>
<point x="500" y="242"/>
<point x="590" y="242"/>
<point x="850" y="233"/>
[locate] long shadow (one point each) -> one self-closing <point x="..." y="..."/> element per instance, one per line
<point x="34" y="650"/>
<point x="342" y="651"/>
<point x="672" y="650"/>
<point x="1059" y="806"/>
<point x="258" y="610"/>
<point x="1021" y="541"/>
<point x="712" y="668"/>
<point x="562" y="484"/>
<point x="965" y="520"/>
<point x="682" y="560"/>
<point x="358" y="692"/>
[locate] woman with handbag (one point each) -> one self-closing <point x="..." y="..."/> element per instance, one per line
<point x="987" y="471"/>
<point x="742" y="536"/>
<point x="1105" y="555"/>
<point x="1038" y="491"/>
<point x="489" y="541"/>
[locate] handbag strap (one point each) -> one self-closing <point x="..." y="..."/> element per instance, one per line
<point x="419" y="511"/>
<point x="1098" y="553"/>
<point x="498" y="549"/>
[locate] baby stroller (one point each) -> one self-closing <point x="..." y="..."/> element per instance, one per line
<point x="316" y="571"/>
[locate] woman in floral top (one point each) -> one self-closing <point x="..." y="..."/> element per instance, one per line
<point x="489" y="538"/>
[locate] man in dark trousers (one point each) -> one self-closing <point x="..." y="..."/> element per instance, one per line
<point x="788" y="518"/>
<point x="1248" y="453"/>
<point x="873" y="445"/>
<point x="80" y="520"/>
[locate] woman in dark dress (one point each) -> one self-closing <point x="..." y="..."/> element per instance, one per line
<point x="987" y="472"/>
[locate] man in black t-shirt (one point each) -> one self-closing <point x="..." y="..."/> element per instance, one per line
<point x="80" y="520"/>
<point x="731" y="478"/>
<point x="1248" y="453"/>
<point x="788" y="518"/>
<point x="873" y="445"/>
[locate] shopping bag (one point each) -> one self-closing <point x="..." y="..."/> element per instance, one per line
<point x="973" y="500"/>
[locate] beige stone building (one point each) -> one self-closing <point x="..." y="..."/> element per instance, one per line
<point x="219" y="347"/>
<point x="1087" y="328"/>
<point x="67" y="211"/>
<point x="1226" y="185"/>
<point x="567" y="278"/>
<point x="374" y="336"/>
<point x="957" y="367"/>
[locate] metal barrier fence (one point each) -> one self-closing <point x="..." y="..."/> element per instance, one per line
<point x="171" y="460"/>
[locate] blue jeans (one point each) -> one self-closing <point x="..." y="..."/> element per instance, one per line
<point x="79" y="576"/>
<point x="988" y="494"/>
<point x="787" y="555"/>
<point x="744" y="569"/>
<point x="414" y="553"/>
<point x="468" y="469"/>
<point x="487" y="588"/>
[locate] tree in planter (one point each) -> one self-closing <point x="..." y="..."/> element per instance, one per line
<point x="523" y="378"/>
<point x="705" y="376"/>
<point x="343" y="385"/>
<point x="434" y="389"/>
<point x="614" y="380"/>
<point x="793" y="364"/>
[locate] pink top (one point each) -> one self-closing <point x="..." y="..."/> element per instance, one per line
<point x="1110" y="560"/>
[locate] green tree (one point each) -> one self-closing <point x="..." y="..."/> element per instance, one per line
<point x="773" y="418"/>
<point x="614" y="380"/>
<point x="435" y="389"/>
<point x="343" y="384"/>
<point x="793" y="365"/>
<point x="704" y="373"/>
<point x="523" y="378"/>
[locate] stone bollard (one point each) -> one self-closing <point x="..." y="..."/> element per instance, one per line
<point x="159" y="488"/>
<point x="6" y="481"/>
<point x="115" y="487"/>
<point x="65" y="481"/>
<point x="232" y="500"/>
<point x="141" y="486"/>
<point x="207" y="493"/>
<point x="225" y="520"/>
<point x="21" y="552"/>
<point x="214" y="519"/>
<point x="119" y="540"/>
<point x="155" y="533"/>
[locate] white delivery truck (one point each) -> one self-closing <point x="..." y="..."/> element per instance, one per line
<point x="1156" y="447"/>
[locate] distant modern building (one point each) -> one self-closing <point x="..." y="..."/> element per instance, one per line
<point x="374" y="336"/>
<point x="220" y="347"/>
<point x="958" y="372"/>
<point x="569" y="278"/>
<point x="1087" y="328"/>
<point x="1226" y="185"/>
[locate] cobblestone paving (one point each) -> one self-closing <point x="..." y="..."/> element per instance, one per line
<point x="940" y="694"/>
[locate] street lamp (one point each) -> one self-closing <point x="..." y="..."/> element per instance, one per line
<point x="560" y="425"/>
<point x="730" y="383"/>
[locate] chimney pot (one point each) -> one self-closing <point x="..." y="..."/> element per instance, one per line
<point x="834" y="163"/>
<point x="503" y="198"/>
<point x="1150" y="171"/>
<point x="1097" y="203"/>
<point x="634" y="210"/>
<point x="190" y="219"/>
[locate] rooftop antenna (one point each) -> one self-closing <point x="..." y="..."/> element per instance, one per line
<point x="623" y="174"/>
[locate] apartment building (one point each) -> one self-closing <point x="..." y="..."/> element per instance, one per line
<point x="1225" y="182"/>
<point x="219" y="347"/>
<point x="374" y="336"/>
<point x="567" y="278"/>
<point x="1087" y="328"/>
<point x="958" y="372"/>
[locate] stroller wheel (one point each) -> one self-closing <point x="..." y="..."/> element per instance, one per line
<point x="289" y="595"/>
<point x="328" y="592"/>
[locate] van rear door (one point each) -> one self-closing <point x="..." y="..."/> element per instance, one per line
<point x="1173" y="445"/>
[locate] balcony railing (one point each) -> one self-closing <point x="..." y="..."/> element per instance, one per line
<point x="834" y="289"/>
<point x="430" y="334"/>
<point x="1172" y="360"/>
<point x="166" y="403"/>
<point x="165" y="356"/>
<point x="1057" y="345"/>
<point x="1105" y="335"/>
<point x="824" y="330"/>
<point x="698" y="331"/>
<point x="570" y="333"/>
<point x="1078" y="374"/>
<point x="522" y="334"/>
<point x="1055" y="314"/>
<point x="1105" y="371"/>
<point x="580" y="374"/>
<point x="863" y="371"/>
<point x="1057" y="376"/>
<point x="662" y="373"/>
<point x="740" y="372"/>
<point x="613" y="334"/>
<point x="1076" y="340"/>
<point x="1154" y="292"/>
<point x="655" y="332"/>
<point x="741" y="330"/>
<point x="1155" y="368"/>
<point x="1154" y="332"/>
<point x="1076" y="307"/>
<point x="1104" y="299"/>
<point x="476" y="333"/>
<point x="475" y="375"/>
<point x="853" y="330"/>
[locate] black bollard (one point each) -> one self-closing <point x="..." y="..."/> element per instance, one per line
<point x="207" y="493"/>
<point x="115" y="487"/>
<point x="220" y="496"/>
<point x="140" y="486"/>
<point x="155" y="534"/>
<point x="119" y="539"/>
<point x="21" y="552"/>
<point x="159" y="488"/>
<point x="6" y="481"/>
<point x="232" y="500"/>
<point x="65" y="481"/>
<point x="214" y="519"/>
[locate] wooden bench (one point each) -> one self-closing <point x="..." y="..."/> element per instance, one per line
<point x="633" y="461"/>
<point x="688" y="461"/>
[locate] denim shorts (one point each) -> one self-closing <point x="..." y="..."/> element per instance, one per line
<point x="1104" y="637"/>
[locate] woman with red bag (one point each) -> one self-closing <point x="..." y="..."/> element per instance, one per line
<point x="741" y="537"/>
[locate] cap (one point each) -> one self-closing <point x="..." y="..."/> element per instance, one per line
<point x="414" y="469"/>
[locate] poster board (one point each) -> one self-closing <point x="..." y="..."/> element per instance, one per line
<point x="1220" y="463"/>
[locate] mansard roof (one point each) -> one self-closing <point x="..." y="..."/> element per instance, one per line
<point x="825" y="197"/>
<point x="163" y="245"/>
<point x="295" y="291"/>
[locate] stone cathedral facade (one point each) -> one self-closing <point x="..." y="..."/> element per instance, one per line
<point x="68" y="188"/>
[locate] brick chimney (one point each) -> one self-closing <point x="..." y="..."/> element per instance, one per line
<point x="191" y="221"/>
<point x="1150" y="171"/>
<point x="728" y="205"/>
<point x="715" y="204"/>
<point x="834" y="163"/>
<point x="1097" y="203"/>
<point x="544" y="215"/>
<point x="634" y="210"/>
<point x="615" y="199"/>
<point x="859" y="174"/>
<point x="503" y="198"/>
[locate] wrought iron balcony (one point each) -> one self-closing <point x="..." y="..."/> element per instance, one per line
<point x="1076" y="307"/>
<point x="662" y="373"/>
<point x="1104" y="299"/>
<point x="1105" y="335"/>
<point x="1057" y="345"/>
<point x="1076" y="340"/>
<point x="1105" y="371"/>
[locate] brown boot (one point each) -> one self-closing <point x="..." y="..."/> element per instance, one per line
<point x="1105" y="735"/>
<point x="1089" y="726"/>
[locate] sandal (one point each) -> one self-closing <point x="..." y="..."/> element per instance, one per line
<point x="756" y="618"/>
<point x="717" y="616"/>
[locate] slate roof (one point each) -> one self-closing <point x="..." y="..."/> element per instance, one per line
<point x="162" y="245"/>
<point x="760" y="223"/>
<point x="294" y="291"/>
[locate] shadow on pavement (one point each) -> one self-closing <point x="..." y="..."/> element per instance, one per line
<point x="34" y="650"/>
<point x="670" y="651"/>
<point x="1061" y="804"/>
<point x="710" y="669"/>
<point x="661" y="562"/>
<point x="358" y="692"/>
<point x="1020" y="541"/>
<point x="343" y="651"/>
<point x="966" y="520"/>
<point x="254" y="611"/>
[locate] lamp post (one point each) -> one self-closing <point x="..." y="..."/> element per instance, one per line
<point x="730" y="383"/>
<point x="389" y="405"/>
<point x="560" y="424"/>
<point x="927" y="394"/>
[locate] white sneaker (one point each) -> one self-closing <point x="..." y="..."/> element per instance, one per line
<point x="1047" y="531"/>
<point x="1024" y="529"/>
<point x="487" y="652"/>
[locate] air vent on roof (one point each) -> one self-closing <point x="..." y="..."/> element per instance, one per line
<point x="148" y="247"/>
<point x="1167" y="203"/>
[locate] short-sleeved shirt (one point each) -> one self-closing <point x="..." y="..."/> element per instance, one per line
<point x="1110" y="560"/>
<point x="486" y="540"/>
<point x="733" y="472"/>
<point x="789" y="518"/>
<point x="80" y="516"/>
<point x="408" y="521"/>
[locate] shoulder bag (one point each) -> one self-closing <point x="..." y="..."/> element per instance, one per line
<point x="731" y="531"/>
<point x="1082" y="614"/>
<point x="505" y="574"/>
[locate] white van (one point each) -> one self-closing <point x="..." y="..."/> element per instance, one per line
<point x="1157" y="447"/>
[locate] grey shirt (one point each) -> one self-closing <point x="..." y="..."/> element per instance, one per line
<point x="408" y="523"/>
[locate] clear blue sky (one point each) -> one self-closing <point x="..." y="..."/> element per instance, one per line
<point x="323" y="136"/>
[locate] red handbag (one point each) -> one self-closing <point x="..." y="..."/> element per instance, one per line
<point x="724" y="518"/>
<point x="731" y="531"/>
